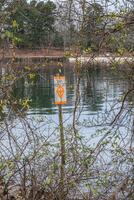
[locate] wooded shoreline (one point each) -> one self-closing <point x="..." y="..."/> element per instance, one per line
<point x="59" y="54"/>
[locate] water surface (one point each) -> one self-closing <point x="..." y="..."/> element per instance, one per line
<point x="98" y="90"/>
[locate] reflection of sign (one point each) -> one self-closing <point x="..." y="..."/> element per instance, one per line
<point x="60" y="90"/>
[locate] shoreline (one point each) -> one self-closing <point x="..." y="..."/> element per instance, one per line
<point x="124" y="62"/>
<point x="109" y="60"/>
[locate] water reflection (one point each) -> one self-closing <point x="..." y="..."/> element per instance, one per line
<point x="98" y="89"/>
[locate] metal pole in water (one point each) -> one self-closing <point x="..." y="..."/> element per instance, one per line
<point x="62" y="146"/>
<point x="60" y="99"/>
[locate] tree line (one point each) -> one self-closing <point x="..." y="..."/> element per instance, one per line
<point x="82" y="24"/>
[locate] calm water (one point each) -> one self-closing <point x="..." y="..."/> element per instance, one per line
<point x="100" y="97"/>
<point x="98" y="91"/>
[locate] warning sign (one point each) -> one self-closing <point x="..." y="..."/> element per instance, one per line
<point x="60" y="90"/>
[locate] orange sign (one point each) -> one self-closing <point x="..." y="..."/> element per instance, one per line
<point x="60" y="90"/>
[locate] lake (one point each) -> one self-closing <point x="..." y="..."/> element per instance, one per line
<point x="98" y="88"/>
<point x="100" y="97"/>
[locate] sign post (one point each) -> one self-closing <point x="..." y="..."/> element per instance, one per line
<point x="60" y="99"/>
